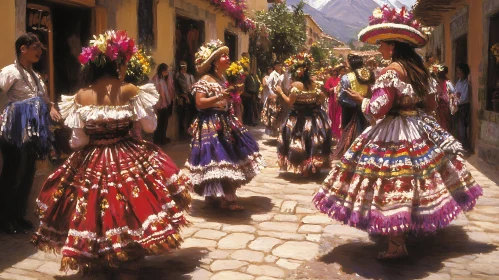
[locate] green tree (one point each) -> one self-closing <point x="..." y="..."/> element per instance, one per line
<point x="285" y="28"/>
<point x="318" y="53"/>
<point x="368" y="47"/>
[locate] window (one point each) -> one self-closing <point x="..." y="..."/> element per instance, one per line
<point x="145" y="18"/>
<point x="231" y="42"/>
<point x="492" y="101"/>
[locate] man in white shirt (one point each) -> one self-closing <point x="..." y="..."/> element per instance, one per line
<point x="276" y="78"/>
<point x="22" y="140"/>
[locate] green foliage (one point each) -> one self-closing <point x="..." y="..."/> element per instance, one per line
<point x="368" y="47"/>
<point x="318" y="53"/>
<point x="285" y="28"/>
<point x="334" y="60"/>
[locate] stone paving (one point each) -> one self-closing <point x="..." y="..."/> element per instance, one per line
<point x="281" y="236"/>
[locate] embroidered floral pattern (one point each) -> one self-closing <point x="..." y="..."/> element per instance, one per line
<point x="403" y="174"/>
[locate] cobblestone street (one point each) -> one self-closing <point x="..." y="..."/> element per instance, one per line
<point x="280" y="235"/>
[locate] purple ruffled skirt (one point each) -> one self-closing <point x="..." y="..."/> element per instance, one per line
<point x="224" y="155"/>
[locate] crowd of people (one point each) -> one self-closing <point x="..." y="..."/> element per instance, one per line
<point x="118" y="197"/>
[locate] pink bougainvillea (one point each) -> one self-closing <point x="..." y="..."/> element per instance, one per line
<point x="235" y="9"/>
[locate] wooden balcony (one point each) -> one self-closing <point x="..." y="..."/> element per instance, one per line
<point x="431" y="12"/>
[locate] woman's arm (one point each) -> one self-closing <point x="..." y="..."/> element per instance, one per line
<point x="203" y="102"/>
<point x="322" y="97"/>
<point x="290" y="100"/>
<point x="379" y="104"/>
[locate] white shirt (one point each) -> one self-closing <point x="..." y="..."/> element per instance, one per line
<point x="286" y="81"/>
<point x="19" y="84"/>
<point x="462" y="86"/>
<point x="275" y="79"/>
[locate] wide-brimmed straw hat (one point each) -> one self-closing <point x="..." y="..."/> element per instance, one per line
<point x="388" y="24"/>
<point x="207" y="53"/>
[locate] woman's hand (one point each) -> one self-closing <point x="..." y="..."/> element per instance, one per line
<point x="356" y="97"/>
<point x="278" y="89"/>
<point x="222" y="102"/>
<point x="54" y="114"/>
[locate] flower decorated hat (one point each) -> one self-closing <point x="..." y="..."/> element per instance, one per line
<point x="109" y="46"/>
<point x="388" y="24"/>
<point x="207" y="53"/>
<point x="436" y="69"/>
<point x="298" y="64"/>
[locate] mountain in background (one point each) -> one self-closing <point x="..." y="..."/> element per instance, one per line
<point x="343" y="19"/>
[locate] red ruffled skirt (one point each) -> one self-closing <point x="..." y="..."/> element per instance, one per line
<point x="112" y="203"/>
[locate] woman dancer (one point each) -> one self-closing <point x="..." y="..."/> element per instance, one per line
<point x="353" y="121"/>
<point x="224" y="156"/>
<point x="116" y="199"/>
<point x="404" y="174"/>
<point x="304" y="143"/>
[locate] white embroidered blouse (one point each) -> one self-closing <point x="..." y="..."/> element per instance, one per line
<point x="138" y="109"/>
<point x="390" y="93"/>
<point x="19" y="84"/>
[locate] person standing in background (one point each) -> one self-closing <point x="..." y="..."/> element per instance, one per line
<point x="164" y="107"/>
<point x="463" y="90"/>
<point x="272" y="115"/>
<point x="25" y="134"/>
<point x="185" y="105"/>
<point x="250" y="97"/>
<point x="265" y="86"/>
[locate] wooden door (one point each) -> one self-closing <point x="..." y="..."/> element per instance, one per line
<point x="39" y="21"/>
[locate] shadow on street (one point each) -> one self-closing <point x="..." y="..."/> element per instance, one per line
<point x="299" y="179"/>
<point x="426" y="255"/>
<point x="270" y="142"/>
<point x="16" y="247"/>
<point x="252" y="205"/>
<point x="175" y="266"/>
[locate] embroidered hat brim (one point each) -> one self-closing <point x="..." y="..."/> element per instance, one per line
<point x="205" y="65"/>
<point x="376" y="33"/>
